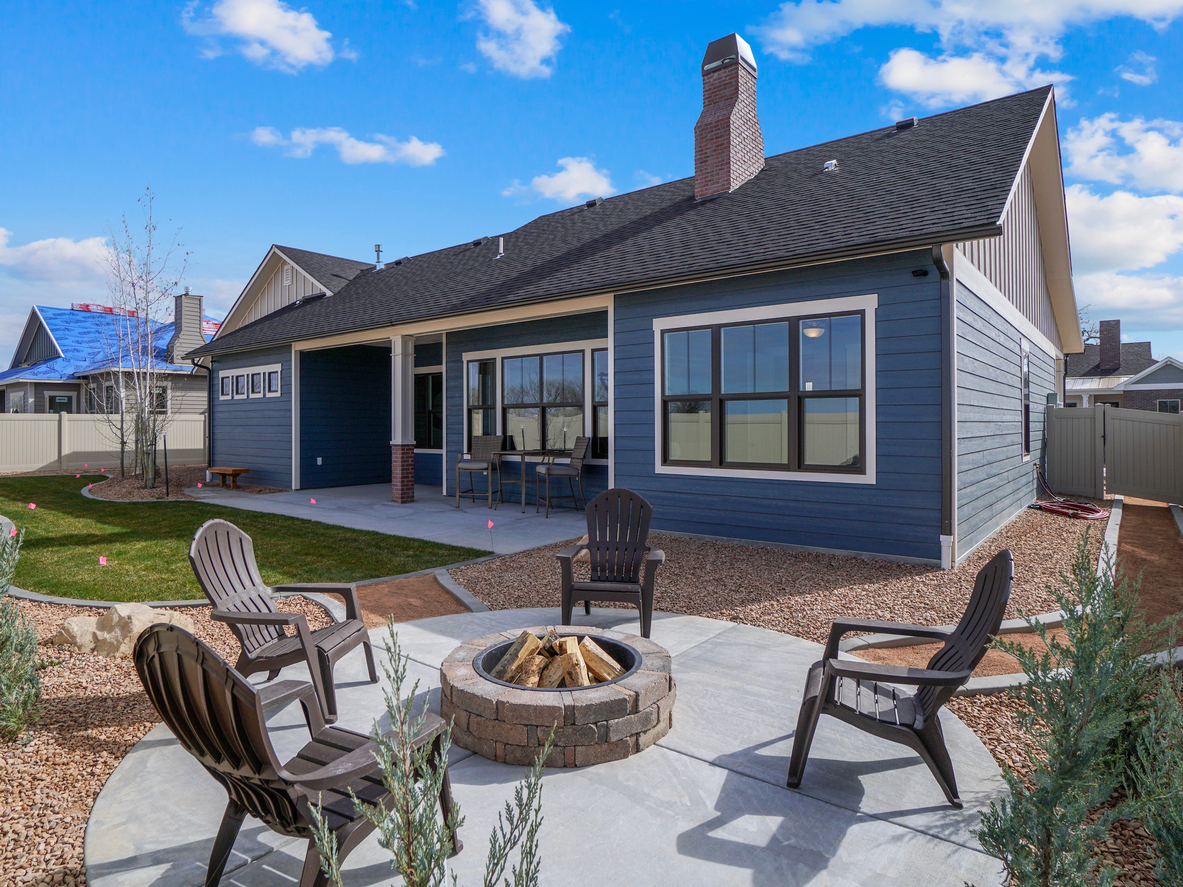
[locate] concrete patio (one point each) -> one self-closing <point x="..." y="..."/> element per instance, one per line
<point x="706" y="805"/>
<point x="431" y="516"/>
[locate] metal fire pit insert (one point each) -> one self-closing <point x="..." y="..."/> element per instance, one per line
<point x="603" y="722"/>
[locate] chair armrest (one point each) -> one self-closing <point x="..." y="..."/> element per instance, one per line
<point x="839" y="627"/>
<point x="654" y="558"/>
<point x="895" y="674"/>
<point x="566" y="559"/>
<point x="256" y="618"/>
<point x="568" y="553"/>
<point x="358" y="762"/>
<point x="347" y="591"/>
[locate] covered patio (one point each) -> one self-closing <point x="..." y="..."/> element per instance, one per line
<point x="432" y="515"/>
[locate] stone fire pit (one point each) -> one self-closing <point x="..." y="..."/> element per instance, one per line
<point x="603" y="722"/>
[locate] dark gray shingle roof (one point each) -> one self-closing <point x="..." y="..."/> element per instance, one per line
<point x="945" y="180"/>
<point x="1135" y="357"/>
<point x="332" y="272"/>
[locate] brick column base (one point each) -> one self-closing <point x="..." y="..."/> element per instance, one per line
<point x="402" y="473"/>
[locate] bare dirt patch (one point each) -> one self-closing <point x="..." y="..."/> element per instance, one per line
<point x="1150" y="550"/>
<point x="995" y="662"/>
<point x="94" y="710"/>
<point x="417" y="597"/>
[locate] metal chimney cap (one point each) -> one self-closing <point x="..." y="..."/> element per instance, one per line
<point x="727" y="51"/>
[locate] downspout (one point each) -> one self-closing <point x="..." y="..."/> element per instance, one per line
<point x="948" y="410"/>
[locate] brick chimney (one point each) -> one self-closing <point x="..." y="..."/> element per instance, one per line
<point x="728" y="144"/>
<point x="187" y="331"/>
<point x="1110" y="345"/>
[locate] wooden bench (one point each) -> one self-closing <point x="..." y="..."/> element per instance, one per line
<point x="231" y="473"/>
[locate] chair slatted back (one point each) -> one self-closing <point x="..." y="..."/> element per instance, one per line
<point x="216" y="716"/>
<point x="617" y="535"/>
<point x="579" y="452"/>
<point x="223" y="559"/>
<point x="966" y="645"/>
<point x="484" y="447"/>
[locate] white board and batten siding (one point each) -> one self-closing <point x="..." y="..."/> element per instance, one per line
<point x="286" y="284"/>
<point x="1014" y="261"/>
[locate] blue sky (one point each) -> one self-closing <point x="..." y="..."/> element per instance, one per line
<point x="334" y="126"/>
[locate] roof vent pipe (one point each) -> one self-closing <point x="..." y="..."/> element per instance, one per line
<point x="594" y="202"/>
<point x="500" y="247"/>
<point x="830" y="166"/>
<point x="906" y="123"/>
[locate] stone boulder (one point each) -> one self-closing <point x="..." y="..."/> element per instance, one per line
<point x="115" y="632"/>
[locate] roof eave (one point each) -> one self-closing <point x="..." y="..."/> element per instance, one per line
<point x="818" y="258"/>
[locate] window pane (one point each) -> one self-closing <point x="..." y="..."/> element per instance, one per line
<point x="831" y="431"/>
<point x="480" y="383"/>
<point x="421" y="395"/>
<point x="563" y="378"/>
<point x="240" y="386"/>
<point x="225" y="386"/>
<point x="481" y="422"/>
<point x="831" y="353"/>
<point x="524" y="424"/>
<point x="273" y="382"/>
<point x="756" y="358"/>
<point x="756" y="431"/>
<point x="688" y="362"/>
<point x="563" y="425"/>
<point x="436" y="400"/>
<point x="688" y="425"/>
<point x="600" y="376"/>
<point x="521" y="379"/>
<point x="599" y="448"/>
<point x="256" y="383"/>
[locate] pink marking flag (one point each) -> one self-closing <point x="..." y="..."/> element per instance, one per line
<point x="102" y="561"/>
<point x="78" y="475"/>
<point x="90" y="486"/>
<point x="199" y="485"/>
<point x="12" y="532"/>
<point x="86" y="465"/>
<point x="32" y="505"/>
<point x="313" y="501"/>
<point x="490" y="525"/>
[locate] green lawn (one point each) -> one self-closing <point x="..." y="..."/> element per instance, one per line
<point x="147" y="545"/>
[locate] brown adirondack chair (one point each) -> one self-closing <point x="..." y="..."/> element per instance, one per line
<point x="572" y="470"/>
<point x="854" y="692"/>
<point x="617" y="533"/>
<point x="217" y="716"/>
<point x="223" y="558"/>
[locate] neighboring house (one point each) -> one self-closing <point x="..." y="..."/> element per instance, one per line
<point x="1158" y="388"/>
<point x="1096" y="375"/>
<point x="67" y="361"/>
<point x="847" y="347"/>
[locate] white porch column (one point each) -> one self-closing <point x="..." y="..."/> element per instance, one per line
<point x="402" y="419"/>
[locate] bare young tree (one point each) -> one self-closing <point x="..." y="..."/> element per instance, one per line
<point x="144" y="269"/>
<point x="1090" y="330"/>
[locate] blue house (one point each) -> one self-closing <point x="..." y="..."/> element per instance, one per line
<point x="75" y="360"/>
<point x="846" y="347"/>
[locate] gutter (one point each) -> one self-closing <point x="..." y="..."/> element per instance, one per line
<point x="887" y="248"/>
<point x="948" y="410"/>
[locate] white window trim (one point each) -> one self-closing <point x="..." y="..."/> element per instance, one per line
<point x="867" y="304"/>
<point x="247" y="372"/>
<point x="49" y="392"/>
<point x="587" y="346"/>
<point x="250" y="376"/>
<point x="423" y="371"/>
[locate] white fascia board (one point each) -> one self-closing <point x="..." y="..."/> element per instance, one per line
<point x="1133" y="383"/>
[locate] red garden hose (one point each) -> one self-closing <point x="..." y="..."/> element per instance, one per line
<point x="1065" y="507"/>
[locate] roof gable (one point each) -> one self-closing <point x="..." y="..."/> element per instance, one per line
<point x="1167" y="373"/>
<point x="948" y="179"/>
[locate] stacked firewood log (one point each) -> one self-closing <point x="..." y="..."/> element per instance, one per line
<point x="556" y="661"/>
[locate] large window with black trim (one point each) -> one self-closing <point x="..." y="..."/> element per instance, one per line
<point x="778" y="394"/>
<point x="542" y="399"/>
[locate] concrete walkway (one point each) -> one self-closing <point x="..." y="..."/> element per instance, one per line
<point x="431" y="516"/>
<point x="706" y="805"/>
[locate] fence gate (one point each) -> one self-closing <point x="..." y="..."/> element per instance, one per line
<point x="1104" y="450"/>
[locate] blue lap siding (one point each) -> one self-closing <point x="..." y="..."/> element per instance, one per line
<point x="899" y="515"/>
<point x="541" y="333"/>
<point x="345" y="416"/>
<point x="994" y="480"/>
<point x="255" y="433"/>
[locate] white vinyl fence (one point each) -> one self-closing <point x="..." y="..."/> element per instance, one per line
<point x="47" y="441"/>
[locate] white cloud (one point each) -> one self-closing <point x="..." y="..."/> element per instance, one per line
<point x="54" y="260"/>
<point x="384" y="149"/>
<point x="648" y="180"/>
<point x="521" y="39"/>
<point x="218" y="294"/>
<point x="268" y="32"/>
<point x="1140" y="71"/>
<point x="1122" y="231"/>
<point x="1142" y="301"/>
<point x="578" y="178"/>
<point x="1147" y="155"/>
<point x="986" y="49"/>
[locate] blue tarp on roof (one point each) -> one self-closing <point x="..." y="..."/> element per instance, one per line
<point x="85" y="339"/>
